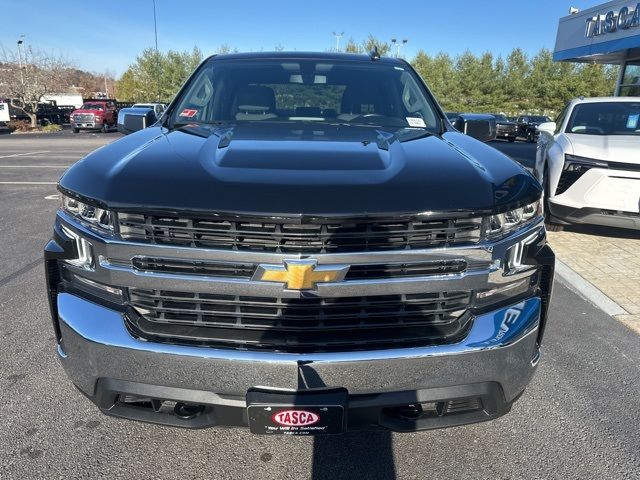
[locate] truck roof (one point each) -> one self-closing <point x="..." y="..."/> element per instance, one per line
<point x="306" y="55"/>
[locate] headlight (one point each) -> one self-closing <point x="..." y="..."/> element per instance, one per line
<point x="503" y="223"/>
<point x="95" y="218"/>
<point x="573" y="163"/>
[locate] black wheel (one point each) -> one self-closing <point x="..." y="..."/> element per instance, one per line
<point x="550" y="222"/>
<point x="531" y="137"/>
<point x="76" y="130"/>
<point x="105" y="127"/>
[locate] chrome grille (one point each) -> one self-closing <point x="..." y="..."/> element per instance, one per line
<point x="300" y="324"/>
<point x="193" y="267"/>
<point x="246" y="270"/>
<point x="83" y="117"/>
<point x="290" y="236"/>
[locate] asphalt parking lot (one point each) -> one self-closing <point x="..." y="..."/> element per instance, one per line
<point x="580" y="417"/>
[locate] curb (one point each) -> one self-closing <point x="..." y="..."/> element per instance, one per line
<point x="588" y="290"/>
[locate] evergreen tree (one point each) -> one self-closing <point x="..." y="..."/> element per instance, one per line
<point x="466" y="83"/>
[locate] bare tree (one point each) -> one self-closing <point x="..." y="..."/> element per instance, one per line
<point x="29" y="75"/>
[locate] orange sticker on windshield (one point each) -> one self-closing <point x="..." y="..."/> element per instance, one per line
<point x="188" y="112"/>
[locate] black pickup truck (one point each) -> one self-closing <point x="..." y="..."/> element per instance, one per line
<point x="528" y="126"/>
<point x="506" y="129"/>
<point x="52" y="113"/>
<point x="302" y="244"/>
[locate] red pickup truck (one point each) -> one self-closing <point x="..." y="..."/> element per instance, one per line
<point x="95" y="115"/>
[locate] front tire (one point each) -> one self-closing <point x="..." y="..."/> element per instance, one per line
<point x="105" y="127"/>
<point x="531" y="137"/>
<point x="76" y="130"/>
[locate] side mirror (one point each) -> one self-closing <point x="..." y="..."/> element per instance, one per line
<point x="547" y="127"/>
<point x="480" y="127"/>
<point x="131" y="120"/>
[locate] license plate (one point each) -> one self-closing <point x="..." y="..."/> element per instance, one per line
<point x="308" y="420"/>
<point x="305" y="413"/>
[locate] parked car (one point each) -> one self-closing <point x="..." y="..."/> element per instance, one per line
<point x="506" y="130"/>
<point x="589" y="163"/>
<point x="301" y="245"/>
<point x="95" y="115"/>
<point x="467" y="122"/>
<point x="528" y="126"/>
<point x="158" y="108"/>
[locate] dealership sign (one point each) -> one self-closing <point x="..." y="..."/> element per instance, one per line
<point x="623" y="19"/>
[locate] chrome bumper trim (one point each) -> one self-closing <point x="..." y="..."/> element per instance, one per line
<point x="499" y="348"/>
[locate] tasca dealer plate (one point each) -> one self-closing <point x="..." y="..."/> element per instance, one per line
<point x="308" y="413"/>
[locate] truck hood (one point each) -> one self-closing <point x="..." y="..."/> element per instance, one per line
<point x="612" y="148"/>
<point x="300" y="170"/>
<point x="86" y="110"/>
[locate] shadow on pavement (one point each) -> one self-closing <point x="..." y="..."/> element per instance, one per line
<point x="360" y="455"/>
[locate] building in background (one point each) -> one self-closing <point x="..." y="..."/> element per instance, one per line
<point x="608" y="33"/>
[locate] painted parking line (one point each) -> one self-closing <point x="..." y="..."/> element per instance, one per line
<point x="57" y="155"/>
<point x="35" y="166"/>
<point x="24" y="154"/>
<point x="28" y="183"/>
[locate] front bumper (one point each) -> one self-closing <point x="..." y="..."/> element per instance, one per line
<point x="602" y="197"/>
<point x="87" y="125"/>
<point x="494" y="364"/>
<point x="130" y="377"/>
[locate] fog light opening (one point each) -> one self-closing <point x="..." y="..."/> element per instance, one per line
<point x="429" y="410"/>
<point x="462" y="405"/>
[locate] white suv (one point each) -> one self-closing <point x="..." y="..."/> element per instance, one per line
<point x="589" y="163"/>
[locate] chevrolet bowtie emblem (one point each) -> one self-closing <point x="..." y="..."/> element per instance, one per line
<point x="300" y="274"/>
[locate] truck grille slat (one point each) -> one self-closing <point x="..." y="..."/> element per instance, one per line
<point x="313" y="237"/>
<point x="292" y="324"/>
<point x="83" y="117"/>
<point x="246" y="271"/>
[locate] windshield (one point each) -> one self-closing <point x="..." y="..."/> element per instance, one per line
<point x="306" y="90"/>
<point x="92" y="106"/>
<point x="605" y="118"/>
<point x="500" y="118"/>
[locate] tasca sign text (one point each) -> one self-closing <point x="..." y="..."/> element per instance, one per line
<point x="612" y="21"/>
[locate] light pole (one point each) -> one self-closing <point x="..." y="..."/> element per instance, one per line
<point x="398" y="44"/>
<point x="20" y="42"/>
<point x="155" y="25"/>
<point x="338" y="37"/>
<point x="155" y="31"/>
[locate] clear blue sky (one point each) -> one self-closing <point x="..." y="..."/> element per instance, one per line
<point x="108" y="34"/>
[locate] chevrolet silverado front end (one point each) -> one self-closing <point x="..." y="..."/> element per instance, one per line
<point x="301" y="245"/>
